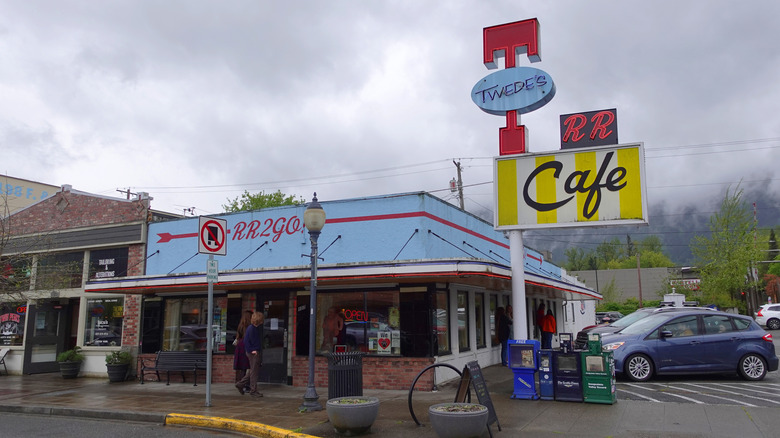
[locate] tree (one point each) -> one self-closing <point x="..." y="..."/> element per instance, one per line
<point x="772" y="286"/>
<point x="576" y="259"/>
<point x="726" y="257"/>
<point x="257" y="201"/>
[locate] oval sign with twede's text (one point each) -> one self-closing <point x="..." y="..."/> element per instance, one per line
<point x="524" y="89"/>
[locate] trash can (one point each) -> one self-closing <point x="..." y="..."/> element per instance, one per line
<point x="345" y="374"/>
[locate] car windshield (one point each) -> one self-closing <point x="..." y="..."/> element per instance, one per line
<point x="630" y="319"/>
<point x="645" y="324"/>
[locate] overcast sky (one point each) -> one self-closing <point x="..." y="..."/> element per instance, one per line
<point x="196" y="101"/>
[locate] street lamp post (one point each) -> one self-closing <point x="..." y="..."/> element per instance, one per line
<point x="314" y="219"/>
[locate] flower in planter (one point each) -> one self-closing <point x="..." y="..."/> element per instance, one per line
<point x="351" y="401"/>
<point x="465" y="407"/>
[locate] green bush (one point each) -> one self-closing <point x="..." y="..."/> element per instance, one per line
<point x="118" y="358"/>
<point x="73" y="355"/>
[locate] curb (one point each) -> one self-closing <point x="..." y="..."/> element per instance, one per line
<point x="83" y="413"/>
<point x="241" y="426"/>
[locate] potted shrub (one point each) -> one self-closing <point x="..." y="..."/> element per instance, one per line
<point x="458" y="420"/>
<point x="352" y="415"/>
<point x="70" y="362"/>
<point x="118" y="364"/>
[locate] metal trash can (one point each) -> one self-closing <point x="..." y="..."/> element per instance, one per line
<point x="345" y="374"/>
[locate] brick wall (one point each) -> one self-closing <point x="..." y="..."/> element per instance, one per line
<point x="66" y="210"/>
<point x="378" y="372"/>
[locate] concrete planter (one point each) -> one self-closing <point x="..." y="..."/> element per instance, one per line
<point x="352" y="415"/>
<point x="117" y="372"/>
<point x="70" y="370"/>
<point x="458" y="420"/>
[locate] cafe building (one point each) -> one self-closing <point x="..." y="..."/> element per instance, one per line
<point x="408" y="279"/>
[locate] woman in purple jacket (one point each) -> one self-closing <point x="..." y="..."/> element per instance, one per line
<point x="254" y="351"/>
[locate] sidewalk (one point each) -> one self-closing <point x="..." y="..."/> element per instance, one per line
<point x="49" y="394"/>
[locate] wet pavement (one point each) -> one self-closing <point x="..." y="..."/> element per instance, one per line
<point x="50" y="394"/>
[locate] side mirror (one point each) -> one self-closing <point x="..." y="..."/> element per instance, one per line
<point x="666" y="334"/>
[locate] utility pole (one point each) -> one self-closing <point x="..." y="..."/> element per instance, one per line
<point x="460" y="184"/>
<point x="639" y="278"/>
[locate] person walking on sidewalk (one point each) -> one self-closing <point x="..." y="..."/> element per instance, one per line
<point x="548" y="329"/>
<point x="254" y="351"/>
<point x="240" y="359"/>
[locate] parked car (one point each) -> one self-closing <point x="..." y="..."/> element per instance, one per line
<point x="581" y="342"/>
<point x="607" y="317"/>
<point x="692" y="342"/>
<point x="768" y="316"/>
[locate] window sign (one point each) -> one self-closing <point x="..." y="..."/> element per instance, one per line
<point x="12" y="318"/>
<point x="104" y="322"/>
<point x="108" y="263"/>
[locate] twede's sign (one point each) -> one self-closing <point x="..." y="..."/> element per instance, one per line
<point x="520" y="88"/>
<point x="594" y="186"/>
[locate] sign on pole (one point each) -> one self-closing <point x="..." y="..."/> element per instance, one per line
<point x="212" y="236"/>
<point x="571" y="188"/>
<point x="212" y="271"/>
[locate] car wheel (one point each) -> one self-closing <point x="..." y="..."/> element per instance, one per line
<point x="752" y="367"/>
<point x="773" y="324"/>
<point x="639" y="368"/>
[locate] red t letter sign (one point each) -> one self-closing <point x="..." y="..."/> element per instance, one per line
<point x="509" y="40"/>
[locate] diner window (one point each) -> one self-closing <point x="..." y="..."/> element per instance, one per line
<point x="104" y="322"/>
<point x="463" y="321"/>
<point x="441" y="322"/>
<point x="15" y="274"/>
<point x="108" y="263"/>
<point x="479" y="319"/>
<point x="359" y="321"/>
<point x="60" y="271"/>
<point x="186" y="325"/>
<point x="12" y="318"/>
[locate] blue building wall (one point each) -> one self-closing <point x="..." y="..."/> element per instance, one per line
<point x="375" y="229"/>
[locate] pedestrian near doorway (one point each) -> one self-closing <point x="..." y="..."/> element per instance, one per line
<point x="254" y="351"/>
<point x="539" y="319"/>
<point x="548" y="329"/>
<point x="240" y="360"/>
<point x="503" y="332"/>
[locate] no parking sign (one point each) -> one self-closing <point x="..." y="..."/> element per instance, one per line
<point x="212" y="236"/>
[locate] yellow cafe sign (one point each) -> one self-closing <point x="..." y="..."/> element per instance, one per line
<point x="581" y="187"/>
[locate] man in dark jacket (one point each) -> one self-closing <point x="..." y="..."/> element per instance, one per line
<point x="254" y="351"/>
<point x="503" y="332"/>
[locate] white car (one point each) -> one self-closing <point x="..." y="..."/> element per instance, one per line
<point x="769" y="316"/>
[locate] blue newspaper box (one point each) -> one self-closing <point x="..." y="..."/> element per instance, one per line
<point x="546" y="375"/>
<point x="523" y="356"/>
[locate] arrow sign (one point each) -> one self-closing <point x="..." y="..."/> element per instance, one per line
<point x="212" y="236"/>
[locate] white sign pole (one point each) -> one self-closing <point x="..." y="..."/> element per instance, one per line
<point x="210" y="332"/>
<point x="517" y="259"/>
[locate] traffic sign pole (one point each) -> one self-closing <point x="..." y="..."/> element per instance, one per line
<point x="210" y="325"/>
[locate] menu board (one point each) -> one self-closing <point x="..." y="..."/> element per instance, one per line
<point x="472" y="375"/>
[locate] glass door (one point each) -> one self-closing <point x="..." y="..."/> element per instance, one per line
<point x="46" y="336"/>
<point x="274" y="334"/>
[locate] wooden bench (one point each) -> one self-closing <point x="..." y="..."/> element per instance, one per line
<point x="176" y="361"/>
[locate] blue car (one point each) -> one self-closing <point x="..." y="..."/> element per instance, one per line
<point x="692" y="342"/>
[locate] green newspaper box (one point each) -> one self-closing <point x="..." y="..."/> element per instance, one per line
<point x="598" y="373"/>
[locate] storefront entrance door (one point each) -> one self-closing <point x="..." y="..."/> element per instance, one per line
<point x="274" y="369"/>
<point x="46" y="334"/>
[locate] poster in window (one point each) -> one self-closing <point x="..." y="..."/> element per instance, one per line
<point x="108" y="263"/>
<point x="384" y="342"/>
<point x="104" y="322"/>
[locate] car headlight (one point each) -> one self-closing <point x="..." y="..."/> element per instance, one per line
<point x="612" y="346"/>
